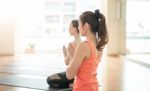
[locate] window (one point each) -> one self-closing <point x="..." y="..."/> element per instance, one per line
<point x="138" y="29"/>
<point x="44" y="24"/>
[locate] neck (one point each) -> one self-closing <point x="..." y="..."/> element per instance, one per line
<point x="91" y="37"/>
<point x="76" y="37"/>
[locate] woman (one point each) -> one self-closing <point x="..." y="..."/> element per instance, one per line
<point x="85" y="59"/>
<point x="59" y="80"/>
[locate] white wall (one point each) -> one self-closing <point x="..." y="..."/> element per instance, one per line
<point x="7" y="27"/>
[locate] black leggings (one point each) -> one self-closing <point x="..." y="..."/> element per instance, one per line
<point x="63" y="82"/>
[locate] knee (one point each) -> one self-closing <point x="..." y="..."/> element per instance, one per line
<point x="49" y="80"/>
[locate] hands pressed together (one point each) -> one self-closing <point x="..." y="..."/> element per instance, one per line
<point x="68" y="52"/>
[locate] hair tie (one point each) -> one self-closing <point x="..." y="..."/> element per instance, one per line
<point x="97" y="14"/>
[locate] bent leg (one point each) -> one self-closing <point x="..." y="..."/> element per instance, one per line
<point x="59" y="80"/>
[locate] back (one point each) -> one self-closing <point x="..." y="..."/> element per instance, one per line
<point x="86" y="79"/>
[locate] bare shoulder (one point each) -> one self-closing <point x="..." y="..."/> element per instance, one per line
<point x="84" y="48"/>
<point x="83" y="45"/>
<point x="70" y="43"/>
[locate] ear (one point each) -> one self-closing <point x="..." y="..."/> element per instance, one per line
<point x="74" y="29"/>
<point x="86" y="26"/>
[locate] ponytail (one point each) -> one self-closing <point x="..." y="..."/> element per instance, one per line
<point x="75" y="24"/>
<point x="102" y="38"/>
<point x="97" y="23"/>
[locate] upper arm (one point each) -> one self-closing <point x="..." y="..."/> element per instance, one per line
<point x="74" y="65"/>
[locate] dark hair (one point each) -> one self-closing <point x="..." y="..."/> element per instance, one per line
<point x="97" y="23"/>
<point x="75" y="24"/>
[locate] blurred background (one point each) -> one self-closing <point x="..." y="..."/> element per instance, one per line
<point x="31" y="27"/>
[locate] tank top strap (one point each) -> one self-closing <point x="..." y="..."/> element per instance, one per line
<point x="91" y="48"/>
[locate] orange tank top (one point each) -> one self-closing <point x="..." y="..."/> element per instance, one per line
<point x="85" y="79"/>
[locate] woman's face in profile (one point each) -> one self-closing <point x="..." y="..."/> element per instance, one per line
<point x="81" y="29"/>
<point x="71" y="29"/>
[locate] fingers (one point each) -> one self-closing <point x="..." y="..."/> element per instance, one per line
<point x="64" y="47"/>
<point x="71" y="46"/>
<point x="64" y="50"/>
<point x="71" y="49"/>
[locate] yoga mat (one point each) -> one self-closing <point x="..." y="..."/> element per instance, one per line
<point x="37" y="64"/>
<point x="32" y="82"/>
<point x="31" y="71"/>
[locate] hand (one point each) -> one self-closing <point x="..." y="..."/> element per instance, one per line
<point x="64" y="50"/>
<point x="71" y="49"/>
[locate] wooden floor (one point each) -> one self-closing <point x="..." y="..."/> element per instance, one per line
<point x="120" y="73"/>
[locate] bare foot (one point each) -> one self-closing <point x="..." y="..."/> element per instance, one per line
<point x="53" y="77"/>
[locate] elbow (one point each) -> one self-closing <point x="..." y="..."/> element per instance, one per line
<point x="69" y="77"/>
<point x="69" y="74"/>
